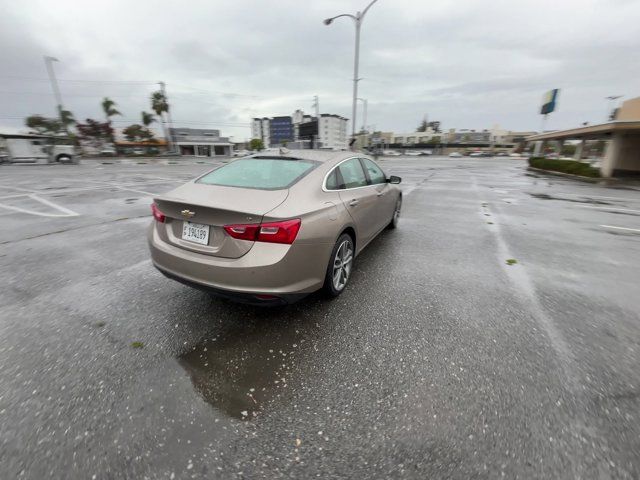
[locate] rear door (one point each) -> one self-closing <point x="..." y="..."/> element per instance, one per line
<point x="359" y="198"/>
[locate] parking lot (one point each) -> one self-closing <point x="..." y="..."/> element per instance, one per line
<point x="495" y="333"/>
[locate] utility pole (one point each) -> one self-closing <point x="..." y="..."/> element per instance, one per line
<point x="316" y="105"/>
<point x="54" y="85"/>
<point x="357" y="20"/>
<point x="168" y="130"/>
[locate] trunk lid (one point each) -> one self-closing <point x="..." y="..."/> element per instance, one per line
<point x="214" y="206"/>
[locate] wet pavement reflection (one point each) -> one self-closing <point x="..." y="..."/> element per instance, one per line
<point x="249" y="364"/>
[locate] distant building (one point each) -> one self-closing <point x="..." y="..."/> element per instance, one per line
<point x="332" y="131"/>
<point x="200" y="142"/>
<point x="281" y="130"/>
<point x="302" y="131"/>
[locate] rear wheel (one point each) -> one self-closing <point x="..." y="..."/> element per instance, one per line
<point x="340" y="266"/>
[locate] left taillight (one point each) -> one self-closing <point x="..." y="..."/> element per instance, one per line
<point x="272" y="232"/>
<point x="157" y="214"/>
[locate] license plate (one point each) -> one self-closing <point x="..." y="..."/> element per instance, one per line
<point x="195" y="232"/>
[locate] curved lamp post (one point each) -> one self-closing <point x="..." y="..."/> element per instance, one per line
<point x="357" y="20"/>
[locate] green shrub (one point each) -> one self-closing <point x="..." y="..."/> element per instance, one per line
<point x="565" y="166"/>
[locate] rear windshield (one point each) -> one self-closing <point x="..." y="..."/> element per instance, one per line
<point x="261" y="173"/>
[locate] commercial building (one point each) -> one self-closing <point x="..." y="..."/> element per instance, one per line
<point x="302" y="131"/>
<point x="200" y="142"/>
<point x="622" y="137"/>
<point x="281" y="130"/>
<point x="332" y="131"/>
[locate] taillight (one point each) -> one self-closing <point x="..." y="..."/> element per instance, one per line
<point x="243" y="232"/>
<point x="271" y="232"/>
<point x="157" y="214"/>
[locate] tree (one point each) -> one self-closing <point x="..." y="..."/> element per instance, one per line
<point x="134" y="133"/>
<point x="256" y="144"/>
<point x="109" y="108"/>
<point x="434" y="140"/>
<point x="423" y="125"/>
<point x="147" y="118"/>
<point x="95" y="133"/>
<point x="160" y="105"/>
<point x="435" y="126"/>
<point x="43" y="126"/>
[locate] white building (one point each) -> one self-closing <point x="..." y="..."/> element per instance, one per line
<point x="332" y="131"/>
<point x="329" y="131"/>
<point x="200" y="142"/>
<point x="260" y="128"/>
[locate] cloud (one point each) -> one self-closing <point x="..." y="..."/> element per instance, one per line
<point x="469" y="64"/>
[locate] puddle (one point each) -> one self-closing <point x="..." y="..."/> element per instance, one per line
<point x="248" y="366"/>
<point x="544" y="196"/>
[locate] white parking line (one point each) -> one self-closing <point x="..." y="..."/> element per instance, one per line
<point x="65" y="211"/>
<point x="613" y="209"/>
<point x="622" y="228"/>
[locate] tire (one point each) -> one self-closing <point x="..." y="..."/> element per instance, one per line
<point x="337" y="277"/>
<point x="63" y="158"/>
<point x="395" y="218"/>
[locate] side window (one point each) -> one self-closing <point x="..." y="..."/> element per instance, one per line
<point x="375" y="173"/>
<point x="352" y="174"/>
<point x="333" y="182"/>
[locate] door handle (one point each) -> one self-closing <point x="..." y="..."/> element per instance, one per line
<point x="380" y="194"/>
<point x="354" y="202"/>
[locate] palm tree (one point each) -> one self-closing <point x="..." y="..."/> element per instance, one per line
<point x="147" y="118"/>
<point x="109" y="108"/>
<point x="160" y="105"/>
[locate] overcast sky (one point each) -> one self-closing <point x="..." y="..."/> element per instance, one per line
<point x="469" y="64"/>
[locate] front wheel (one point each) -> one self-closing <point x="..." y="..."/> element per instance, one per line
<point x="340" y="266"/>
<point x="396" y="214"/>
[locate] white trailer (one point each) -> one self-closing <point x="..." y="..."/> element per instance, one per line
<point x="17" y="148"/>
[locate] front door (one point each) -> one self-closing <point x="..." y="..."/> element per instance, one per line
<point x="360" y="199"/>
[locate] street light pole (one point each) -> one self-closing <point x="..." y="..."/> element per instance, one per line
<point x="54" y="85"/>
<point x="357" y="19"/>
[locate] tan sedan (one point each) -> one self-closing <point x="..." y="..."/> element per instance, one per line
<point x="270" y="229"/>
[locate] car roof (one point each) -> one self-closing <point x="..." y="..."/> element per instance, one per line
<point x="322" y="156"/>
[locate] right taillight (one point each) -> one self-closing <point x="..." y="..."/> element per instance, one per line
<point x="157" y="214"/>
<point x="272" y="232"/>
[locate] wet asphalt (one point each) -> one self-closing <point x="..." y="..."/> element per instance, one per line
<point x="496" y="333"/>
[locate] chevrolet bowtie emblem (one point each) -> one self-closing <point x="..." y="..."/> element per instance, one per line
<point x="187" y="213"/>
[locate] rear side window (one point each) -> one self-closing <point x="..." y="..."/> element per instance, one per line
<point x="333" y="182"/>
<point x="260" y="173"/>
<point x="352" y="174"/>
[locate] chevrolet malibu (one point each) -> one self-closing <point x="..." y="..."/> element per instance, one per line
<point x="270" y="229"/>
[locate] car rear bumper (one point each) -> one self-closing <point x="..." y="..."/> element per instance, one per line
<point x="288" y="272"/>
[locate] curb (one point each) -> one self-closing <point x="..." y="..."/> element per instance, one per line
<point x="572" y="176"/>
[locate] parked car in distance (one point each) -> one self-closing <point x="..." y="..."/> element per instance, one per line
<point x="455" y="155"/>
<point x="413" y="153"/>
<point x="515" y="155"/>
<point x="241" y="153"/>
<point x="476" y="154"/>
<point x="108" y="152"/>
<point x="391" y="153"/>
<point x="426" y="152"/>
<point x="270" y="229"/>
<point x="138" y="151"/>
<point x="501" y="154"/>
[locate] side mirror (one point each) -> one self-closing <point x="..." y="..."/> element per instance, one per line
<point x="393" y="179"/>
